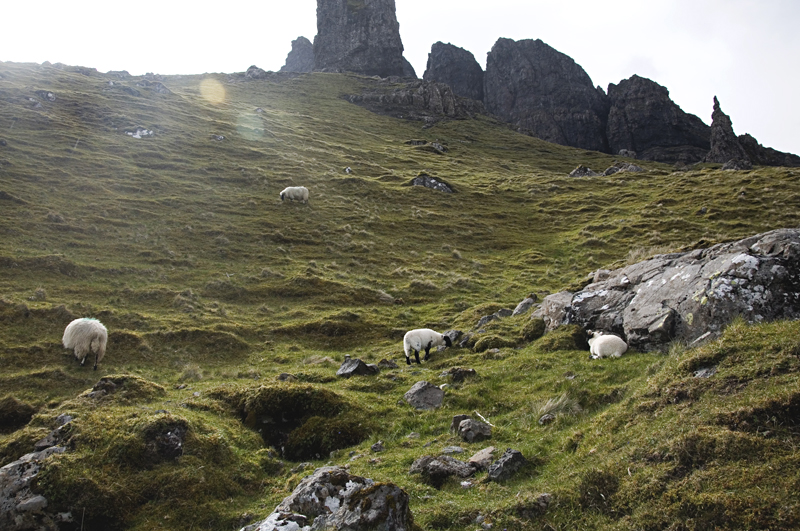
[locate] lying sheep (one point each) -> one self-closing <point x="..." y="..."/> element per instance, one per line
<point x="84" y="336"/>
<point x="423" y="338"/>
<point x="295" y="193"/>
<point x="606" y="345"/>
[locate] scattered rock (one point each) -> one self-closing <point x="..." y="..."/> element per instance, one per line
<point x="335" y="499"/>
<point x="706" y="372"/>
<point x="436" y="470"/>
<point x="509" y="464"/>
<point x="20" y="508"/>
<point x="483" y="459"/>
<point x="583" y="171"/>
<point x="286" y="377"/>
<point x="140" y="132"/>
<point x="449" y="450"/>
<point x="525" y="305"/>
<point x="546" y="419"/>
<point x="351" y="367"/>
<point x="377" y="447"/>
<point x="387" y="364"/>
<point x="622" y="167"/>
<point x="424" y="395"/>
<point x="457" y="421"/>
<point x="471" y="430"/>
<point x="255" y="72"/>
<point x="429" y="182"/>
<point x="738" y="165"/>
<point x="457" y="374"/>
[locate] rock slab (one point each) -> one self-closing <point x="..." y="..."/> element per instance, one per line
<point x="424" y="395"/>
<point x="334" y="499"/>
<point x="688" y="295"/>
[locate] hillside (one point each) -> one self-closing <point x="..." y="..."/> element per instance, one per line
<point x="211" y="288"/>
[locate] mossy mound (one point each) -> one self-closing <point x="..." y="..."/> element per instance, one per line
<point x="14" y="414"/>
<point x="570" y="337"/>
<point x="302" y="422"/>
<point x="491" y="342"/>
<point x="124" y="388"/>
<point x="533" y="329"/>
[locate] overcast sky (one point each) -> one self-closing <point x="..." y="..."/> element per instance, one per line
<point x="746" y="52"/>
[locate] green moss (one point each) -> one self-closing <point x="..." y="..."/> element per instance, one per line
<point x="570" y="337"/>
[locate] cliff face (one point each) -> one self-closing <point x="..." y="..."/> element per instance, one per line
<point x="360" y="36"/>
<point x="456" y="67"/>
<point x="643" y="119"/>
<point x="545" y="93"/>
<point x="724" y="143"/>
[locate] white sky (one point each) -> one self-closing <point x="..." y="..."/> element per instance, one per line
<point x="746" y="52"/>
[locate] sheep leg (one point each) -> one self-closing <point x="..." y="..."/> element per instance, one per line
<point x="416" y="355"/>
<point x="428" y="351"/>
<point x="408" y="360"/>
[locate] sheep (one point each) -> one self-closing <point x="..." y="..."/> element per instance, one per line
<point x="86" y="335"/>
<point x="606" y="345"/>
<point x="423" y="338"/>
<point x="295" y="193"/>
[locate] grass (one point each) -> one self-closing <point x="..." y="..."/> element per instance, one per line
<point x="211" y="288"/>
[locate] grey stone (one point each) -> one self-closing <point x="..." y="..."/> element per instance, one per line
<point x="328" y="497"/>
<point x="524" y="306"/>
<point x="457" y="422"/>
<point x="449" y="450"/>
<point x="424" y="395"/>
<point x="35" y="503"/>
<point x="436" y="470"/>
<point x="483" y="459"/>
<point x="724" y="143"/>
<point x="471" y="430"/>
<point x="429" y="182"/>
<point x="351" y="367"/>
<point x="583" y="171"/>
<point x="508" y="465"/>
<point x="687" y="295"/>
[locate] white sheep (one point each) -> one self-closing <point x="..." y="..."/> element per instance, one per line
<point x="423" y="339"/>
<point x="295" y="193"/>
<point x="606" y="345"/>
<point x="86" y="335"/>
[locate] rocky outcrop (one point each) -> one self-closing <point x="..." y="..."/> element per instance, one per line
<point x="418" y="100"/>
<point x="724" y="143"/>
<point x="545" y="93"/>
<point x="688" y="296"/>
<point x="334" y="499"/>
<point x="301" y="58"/>
<point x="764" y="156"/>
<point x="358" y="36"/>
<point x="643" y="119"/>
<point x="456" y="67"/>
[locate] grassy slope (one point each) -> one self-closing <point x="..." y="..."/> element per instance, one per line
<point x="180" y="245"/>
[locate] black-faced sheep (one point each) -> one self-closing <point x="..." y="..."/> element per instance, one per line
<point x="423" y="339"/>
<point x="295" y="193"/>
<point x="606" y="345"/>
<point x="86" y="336"/>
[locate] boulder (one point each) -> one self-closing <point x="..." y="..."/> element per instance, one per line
<point x="352" y="367"/>
<point x="583" y="171"/>
<point x="456" y="67"/>
<point x="724" y="142"/>
<point x="689" y="295"/>
<point x="483" y="459"/>
<point x="334" y="499"/>
<point x="358" y="36"/>
<point x="424" y="395"/>
<point x="20" y="508"/>
<point x="434" y="184"/>
<point x="545" y="93"/>
<point x="301" y="58"/>
<point x="644" y="120"/>
<point x="525" y="305"/>
<point x="471" y="430"/>
<point x="508" y="465"/>
<point x="436" y="470"/>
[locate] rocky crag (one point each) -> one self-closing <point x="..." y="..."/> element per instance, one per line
<point x="359" y="36"/>
<point x="546" y="94"/>
<point x="301" y="58"/>
<point x="642" y="119"/>
<point x="456" y="67"/>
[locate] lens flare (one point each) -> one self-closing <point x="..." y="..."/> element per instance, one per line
<point x="212" y="91"/>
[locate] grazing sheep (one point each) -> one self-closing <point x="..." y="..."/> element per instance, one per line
<point x="423" y="338"/>
<point x="295" y="193"/>
<point x="606" y="346"/>
<point x="84" y="336"/>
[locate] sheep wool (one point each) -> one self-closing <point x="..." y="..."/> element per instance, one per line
<point x="423" y="339"/>
<point x="295" y="193"/>
<point x="606" y="345"/>
<point x="86" y="336"/>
